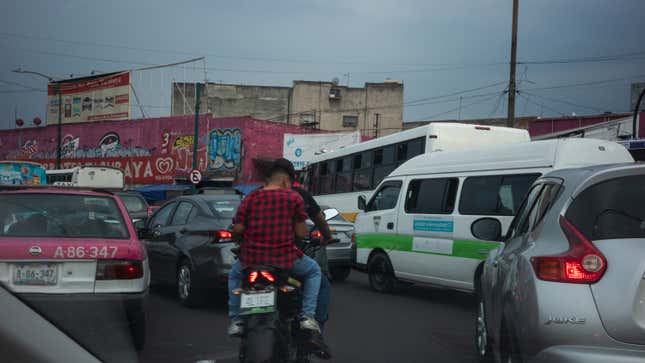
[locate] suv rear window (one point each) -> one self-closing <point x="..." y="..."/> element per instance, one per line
<point x="60" y="215"/>
<point x="133" y="203"/>
<point x="611" y="209"/>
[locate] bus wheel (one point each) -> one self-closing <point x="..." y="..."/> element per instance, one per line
<point x="381" y="273"/>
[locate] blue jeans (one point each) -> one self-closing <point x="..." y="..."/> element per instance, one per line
<point x="305" y="268"/>
<point x="324" y="297"/>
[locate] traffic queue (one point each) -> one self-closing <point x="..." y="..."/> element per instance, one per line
<point x="546" y="234"/>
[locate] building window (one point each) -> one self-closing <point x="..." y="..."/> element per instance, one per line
<point x="307" y="118"/>
<point x="350" y="121"/>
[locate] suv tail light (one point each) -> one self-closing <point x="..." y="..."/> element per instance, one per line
<point x="119" y="270"/>
<point x="222" y="236"/>
<point x="583" y="263"/>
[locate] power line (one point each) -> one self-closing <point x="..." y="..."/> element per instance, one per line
<point x="20" y="85"/>
<point x="565" y="102"/>
<point x="428" y="118"/>
<point x="456" y="93"/>
<point x="571" y="85"/>
<point x="541" y="105"/>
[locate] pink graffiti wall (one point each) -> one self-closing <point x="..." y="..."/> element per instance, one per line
<point x="154" y="151"/>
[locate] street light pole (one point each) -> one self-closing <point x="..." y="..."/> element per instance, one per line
<point x="60" y="102"/>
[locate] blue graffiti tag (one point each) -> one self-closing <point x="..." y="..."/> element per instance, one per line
<point x="224" y="149"/>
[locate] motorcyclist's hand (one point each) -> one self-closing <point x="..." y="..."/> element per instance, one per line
<point x="324" y="241"/>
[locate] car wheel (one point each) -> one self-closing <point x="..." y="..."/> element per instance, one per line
<point x="339" y="274"/>
<point x="482" y="341"/>
<point x="381" y="273"/>
<point x="188" y="295"/>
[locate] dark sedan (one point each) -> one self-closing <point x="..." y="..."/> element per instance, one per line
<point x="135" y="204"/>
<point x="189" y="245"/>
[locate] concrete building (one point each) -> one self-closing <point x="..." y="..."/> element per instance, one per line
<point x="375" y="109"/>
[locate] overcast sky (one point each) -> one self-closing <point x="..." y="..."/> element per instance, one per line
<point x="436" y="47"/>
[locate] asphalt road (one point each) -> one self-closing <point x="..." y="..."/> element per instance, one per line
<point x="418" y="324"/>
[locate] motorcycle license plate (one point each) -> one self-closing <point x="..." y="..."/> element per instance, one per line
<point x="257" y="302"/>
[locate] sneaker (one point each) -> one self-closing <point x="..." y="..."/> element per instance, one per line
<point x="236" y="328"/>
<point x="309" y="323"/>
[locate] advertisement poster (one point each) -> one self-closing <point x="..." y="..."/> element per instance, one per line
<point x="90" y="99"/>
<point x="21" y="173"/>
<point x="300" y="149"/>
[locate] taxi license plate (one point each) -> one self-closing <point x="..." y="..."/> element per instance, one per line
<point x="257" y="302"/>
<point x="35" y="274"/>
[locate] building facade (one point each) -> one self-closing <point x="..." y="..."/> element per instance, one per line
<point x="375" y="109"/>
<point x="158" y="150"/>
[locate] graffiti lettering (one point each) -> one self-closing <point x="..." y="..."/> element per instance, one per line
<point x="224" y="149"/>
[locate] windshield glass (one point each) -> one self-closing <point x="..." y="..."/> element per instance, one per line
<point x="224" y="208"/>
<point x="133" y="203"/>
<point x="68" y="216"/>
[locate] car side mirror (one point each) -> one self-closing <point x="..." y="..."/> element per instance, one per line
<point x="330" y="213"/>
<point x="487" y="229"/>
<point x="362" y="203"/>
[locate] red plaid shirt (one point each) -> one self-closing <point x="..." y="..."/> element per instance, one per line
<point x="269" y="218"/>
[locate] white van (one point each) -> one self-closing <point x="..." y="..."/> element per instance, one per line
<point x="416" y="227"/>
<point x="103" y="177"/>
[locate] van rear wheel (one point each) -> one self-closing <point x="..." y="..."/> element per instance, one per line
<point x="381" y="273"/>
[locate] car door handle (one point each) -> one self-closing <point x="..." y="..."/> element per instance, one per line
<point x="390" y="225"/>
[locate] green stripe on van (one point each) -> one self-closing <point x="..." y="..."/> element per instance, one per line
<point x="389" y="242"/>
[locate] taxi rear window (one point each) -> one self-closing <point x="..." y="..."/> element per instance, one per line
<point x="58" y="215"/>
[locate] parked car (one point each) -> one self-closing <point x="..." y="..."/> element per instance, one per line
<point x="68" y="248"/>
<point x="567" y="282"/>
<point x="135" y="204"/>
<point x="341" y="255"/>
<point x="189" y="244"/>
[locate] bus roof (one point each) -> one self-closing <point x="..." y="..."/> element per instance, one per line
<point x="435" y="129"/>
<point x="558" y="153"/>
<point x="71" y="170"/>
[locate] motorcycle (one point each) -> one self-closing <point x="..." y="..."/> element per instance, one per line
<point x="270" y="304"/>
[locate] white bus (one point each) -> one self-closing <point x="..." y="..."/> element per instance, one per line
<point x="336" y="178"/>
<point x="103" y="177"/>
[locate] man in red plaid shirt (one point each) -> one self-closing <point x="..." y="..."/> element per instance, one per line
<point x="268" y="220"/>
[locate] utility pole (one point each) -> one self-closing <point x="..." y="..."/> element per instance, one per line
<point x="510" y="121"/>
<point x="196" y="134"/>
<point x="376" y="124"/>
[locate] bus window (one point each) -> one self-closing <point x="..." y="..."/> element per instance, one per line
<point x="327" y="180"/>
<point x="415" y="147"/>
<point x="363" y="171"/>
<point x="402" y="152"/>
<point x="344" y="175"/>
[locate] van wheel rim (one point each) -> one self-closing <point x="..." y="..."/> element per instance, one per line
<point x="380" y="272"/>
<point x="184" y="282"/>
<point x="482" y="335"/>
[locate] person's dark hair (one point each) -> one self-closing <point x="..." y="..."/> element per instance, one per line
<point x="283" y="165"/>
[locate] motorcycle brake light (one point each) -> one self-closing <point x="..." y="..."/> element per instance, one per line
<point x="253" y="276"/>
<point x="267" y="275"/>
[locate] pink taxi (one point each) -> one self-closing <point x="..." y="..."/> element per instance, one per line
<point x="69" y="243"/>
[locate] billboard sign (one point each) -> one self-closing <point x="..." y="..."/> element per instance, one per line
<point x="301" y="148"/>
<point x="90" y="99"/>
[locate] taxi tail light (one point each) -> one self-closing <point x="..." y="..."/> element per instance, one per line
<point x="119" y="270"/>
<point x="222" y="236"/>
<point x="583" y="263"/>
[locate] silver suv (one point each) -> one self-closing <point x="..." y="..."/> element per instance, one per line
<point x="567" y="284"/>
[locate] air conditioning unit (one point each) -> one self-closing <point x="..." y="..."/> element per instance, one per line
<point x="334" y="93"/>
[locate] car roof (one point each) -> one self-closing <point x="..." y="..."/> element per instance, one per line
<point x="576" y="175"/>
<point x="66" y="191"/>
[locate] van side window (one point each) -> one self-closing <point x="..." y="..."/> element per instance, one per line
<point x="385" y="197"/>
<point x="495" y="195"/>
<point x="431" y="196"/>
